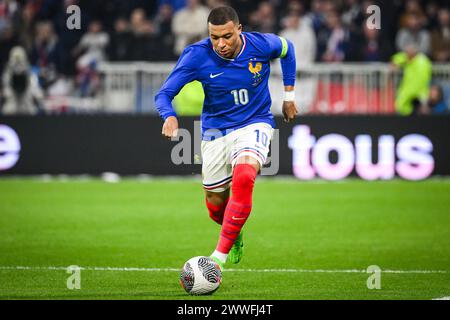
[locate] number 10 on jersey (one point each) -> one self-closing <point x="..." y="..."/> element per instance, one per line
<point x="240" y="97"/>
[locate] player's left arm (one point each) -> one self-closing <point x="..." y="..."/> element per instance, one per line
<point x="284" y="49"/>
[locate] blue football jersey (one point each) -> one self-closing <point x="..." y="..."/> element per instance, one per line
<point x="236" y="90"/>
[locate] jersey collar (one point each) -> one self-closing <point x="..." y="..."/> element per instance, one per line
<point x="244" y="44"/>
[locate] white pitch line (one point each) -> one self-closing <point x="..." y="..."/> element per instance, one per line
<point x="336" y="271"/>
<point x="131" y="269"/>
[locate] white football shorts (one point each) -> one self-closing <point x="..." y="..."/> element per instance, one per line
<point x="220" y="155"/>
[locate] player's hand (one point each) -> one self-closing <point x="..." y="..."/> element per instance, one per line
<point x="393" y="67"/>
<point x="170" y="127"/>
<point x="289" y="110"/>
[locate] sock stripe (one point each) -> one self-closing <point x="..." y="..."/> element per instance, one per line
<point x="222" y="235"/>
<point x="240" y="212"/>
<point x="240" y="205"/>
<point x="234" y="223"/>
<point x="232" y="232"/>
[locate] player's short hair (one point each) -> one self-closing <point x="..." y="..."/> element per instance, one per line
<point x="223" y="14"/>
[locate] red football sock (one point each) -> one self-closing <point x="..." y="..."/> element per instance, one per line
<point x="216" y="212"/>
<point x="239" y="206"/>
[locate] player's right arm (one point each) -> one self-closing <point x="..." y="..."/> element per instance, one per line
<point x="184" y="72"/>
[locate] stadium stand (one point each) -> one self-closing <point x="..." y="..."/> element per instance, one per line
<point x="123" y="50"/>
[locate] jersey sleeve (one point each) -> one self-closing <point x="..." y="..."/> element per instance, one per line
<point x="276" y="46"/>
<point x="185" y="71"/>
<point x="282" y="48"/>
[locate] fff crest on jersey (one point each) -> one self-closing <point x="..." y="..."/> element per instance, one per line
<point x="255" y="69"/>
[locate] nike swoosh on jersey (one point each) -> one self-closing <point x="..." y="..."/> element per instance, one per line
<point x="215" y="75"/>
<point x="234" y="218"/>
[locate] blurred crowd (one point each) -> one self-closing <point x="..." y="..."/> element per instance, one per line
<point x="34" y="34"/>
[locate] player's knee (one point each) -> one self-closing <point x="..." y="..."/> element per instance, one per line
<point x="248" y="160"/>
<point x="244" y="176"/>
<point x="217" y="198"/>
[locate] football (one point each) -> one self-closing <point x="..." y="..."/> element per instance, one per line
<point x="200" y="275"/>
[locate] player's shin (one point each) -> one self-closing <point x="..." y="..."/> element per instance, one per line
<point x="239" y="206"/>
<point x="216" y="212"/>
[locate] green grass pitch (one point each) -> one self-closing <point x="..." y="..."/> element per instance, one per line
<point x="304" y="240"/>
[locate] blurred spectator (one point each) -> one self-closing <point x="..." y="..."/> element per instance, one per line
<point x="352" y="17"/>
<point x="335" y="49"/>
<point x="436" y="103"/>
<point x="7" y="42"/>
<point x="46" y="54"/>
<point x="245" y="8"/>
<point x="163" y="20"/>
<point x="120" y="43"/>
<point x="24" y="28"/>
<point x="17" y="20"/>
<point x="368" y="47"/>
<point x="189" y="23"/>
<point x="87" y="78"/>
<point x="9" y="10"/>
<point x="163" y="28"/>
<point x="93" y="43"/>
<point x="21" y="91"/>
<point x="175" y="4"/>
<point x="293" y="8"/>
<point x="440" y="37"/>
<point x="144" y="46"/>
<point x="137" y="20"/>
<point x="264" y="19"/>
<point x="303" y="37"/>
<point x="68" y="39"/>
<point x="316" y="17"/>
<point x="413" y="33"/>
<point x="93" y="46"/>
<point x="431" y="11"/>
<point x="412" y="7"/>
<point x="414" y="86"/>
<point x="211" y="4"/>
